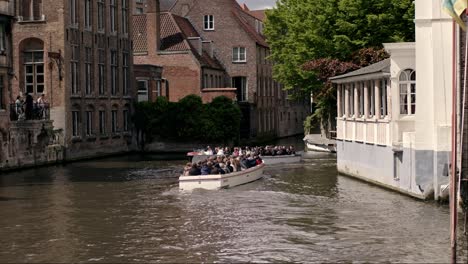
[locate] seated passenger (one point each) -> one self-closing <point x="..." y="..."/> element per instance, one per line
<point x="206" y="169"/>
<point x="187" y="168"/>
<point x="195" y="170"/>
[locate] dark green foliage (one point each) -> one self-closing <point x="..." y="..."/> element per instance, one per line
<point x="299" y="31"/>
<point x="189" y="119"/>
<point x="313" y="40"/>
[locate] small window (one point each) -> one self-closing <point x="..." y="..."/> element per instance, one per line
<point x="239" y="54"/>
<point x="114" y="121"/>
<point x="208" y="22"/>
<point x="142" y="86"/>
<point x="139" y="11"/>
<point x="89" y="123"/>
<point x="408" y="92"/>
<point x="126" y="118"/>
<point x="76" y="123"/>
<point x="100" y="13"/>
<point x="88" y="13"/>
<point x="102" y="122"/>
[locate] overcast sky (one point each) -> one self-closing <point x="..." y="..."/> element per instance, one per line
<point x="258" y="4"/>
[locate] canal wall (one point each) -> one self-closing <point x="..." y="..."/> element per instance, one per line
<point x="408" y="171"/>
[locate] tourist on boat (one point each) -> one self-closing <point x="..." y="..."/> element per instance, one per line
<point x="187" y="169"/>
<point x="208" y="151"/>
<point x="195" y="170"/>
<point x="206" y="168"/>
<point x="220" y="152"/>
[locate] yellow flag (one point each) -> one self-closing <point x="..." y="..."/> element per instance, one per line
<point x="455" y="9"/>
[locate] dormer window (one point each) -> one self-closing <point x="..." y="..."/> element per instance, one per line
<point x="208" y="22"/>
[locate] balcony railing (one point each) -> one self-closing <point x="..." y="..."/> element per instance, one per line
<point x="22" y="113"/>
<point x="7" y="7"/>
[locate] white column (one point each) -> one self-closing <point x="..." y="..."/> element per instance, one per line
<point x="377" y="99"/>
<point x="366" y="99"/>
<point x="338" y="100"/>
<point x="356" y="100"/>
<point x="346" y="87"/>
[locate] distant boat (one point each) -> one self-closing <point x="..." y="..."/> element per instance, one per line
<point x="221" y="181"/>
<point x="271" y="160"/>
<point x="330" y="148"/>
<point x="317" y="143"/>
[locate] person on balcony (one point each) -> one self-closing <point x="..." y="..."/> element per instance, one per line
<point x="18" y="105"/>
<point x="29" y="106"/>
<point x="41" y="104"/>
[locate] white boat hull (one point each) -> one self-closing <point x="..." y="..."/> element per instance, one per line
<point x="216" y="182"/>
<point x="320" y="148"/>
<point x="271" y="160"/>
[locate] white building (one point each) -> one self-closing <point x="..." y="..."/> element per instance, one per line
<point x="394" y="117"/>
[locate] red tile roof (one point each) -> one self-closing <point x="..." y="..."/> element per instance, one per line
<point x="259" y="39"/>
<point x="258" y="14"/>
<point x="174" y="33"/>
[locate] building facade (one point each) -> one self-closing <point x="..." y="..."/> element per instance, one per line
<point x="394" y="117"/>
<point x="78" y="54"/>
<point x="241" y="47"/>
<point x="188" y="63"/>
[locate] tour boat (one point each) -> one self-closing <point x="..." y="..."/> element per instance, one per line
<point x="271" y="160"/>
<point x="221" y="181"/>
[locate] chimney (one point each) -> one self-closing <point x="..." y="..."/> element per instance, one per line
<point x="207" y="46"/>
<point x="153" y="15"/>
<point x="196" y="43"/>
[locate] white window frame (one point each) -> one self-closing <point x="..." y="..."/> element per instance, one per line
<point x="208" y="22"/>
<point x="142" y="96"/>
<point x="35" y="72"/>
<point x="239" y="54"/>
<point x="406" y="93"/>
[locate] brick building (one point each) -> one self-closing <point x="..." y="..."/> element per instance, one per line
<point x="240" y="46"/>
<point x="170" y="41"/>
<point x="78" y="53"/>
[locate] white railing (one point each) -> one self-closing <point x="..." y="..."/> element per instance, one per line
<point x="367" y="131"/>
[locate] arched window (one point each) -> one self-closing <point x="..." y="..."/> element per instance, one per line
<point x="407" y="92"/>
<point x="33" y="62"/>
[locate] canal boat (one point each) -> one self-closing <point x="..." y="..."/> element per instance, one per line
<point x="272" y="160"/>
<point x="221" y="181"/>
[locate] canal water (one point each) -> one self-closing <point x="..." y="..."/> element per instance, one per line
<point x="129" y="209"/>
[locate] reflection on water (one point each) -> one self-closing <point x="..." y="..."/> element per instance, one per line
<point x="130" y="210"/>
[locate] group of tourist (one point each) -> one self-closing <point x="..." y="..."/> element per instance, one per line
<point x="259" y="151"/>
<point x="223" y="164"/>
<point x="224" y="160"/>
<point x="26" y="108"/>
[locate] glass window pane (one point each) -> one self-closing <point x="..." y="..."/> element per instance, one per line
<point x="40" y="88"/>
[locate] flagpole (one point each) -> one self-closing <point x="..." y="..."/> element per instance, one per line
<point x="453" y="176"/>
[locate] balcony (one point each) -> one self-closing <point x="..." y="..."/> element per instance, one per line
<point x="38" y="112"/>
<point x="7" y="8"/>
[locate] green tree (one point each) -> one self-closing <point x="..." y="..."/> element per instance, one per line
<point x="313" y="40"/>
<point x="299" y="31"/>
